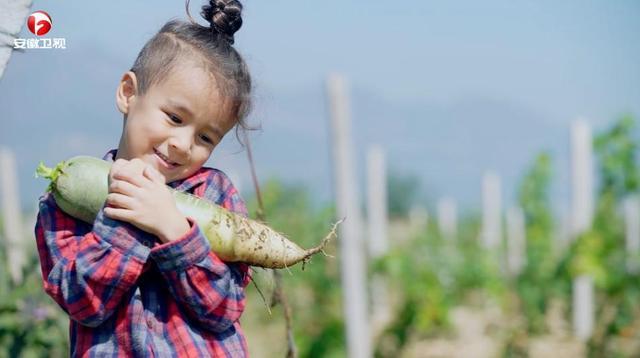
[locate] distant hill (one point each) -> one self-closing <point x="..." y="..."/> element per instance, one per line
<point x="448" y="146"/>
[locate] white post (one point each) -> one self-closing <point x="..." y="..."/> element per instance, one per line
<point x="581" y="178"/>
<point x="377" y="201"/>
<point x="491" y="210"/>
<point x="447" y="218"/>
<point x="12" y="214"/>
<point x="581" y="218"/>
<point x="583" y="307"/>
<point x="378" y="233"/>
<point x="353" y="270"/>
<point x="632" y="232"/>
<point x="516" y="241"/>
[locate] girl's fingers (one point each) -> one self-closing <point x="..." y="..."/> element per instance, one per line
<point x="122" y="187"/>
<point x="115" y="168"/>
<point x="132" y="172"/>
<point x="118" y="214"/>
<point x="154" y="175"/>
<point x="119" y="201"/>
<point x="134" y="178"/>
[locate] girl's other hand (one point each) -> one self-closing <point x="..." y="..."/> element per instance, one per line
<point x="138" y="195"/>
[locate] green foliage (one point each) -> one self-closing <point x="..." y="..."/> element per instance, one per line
<point x="535" y="283"/>
<point x="315" y="294"/>
<point x="617" y="158"/>
<point x="419" y="277"/>
<point x="31" y="324"/>
<point x="600" y="252"/>
<point x="429" y="275"/>
<point x="474" y="268"/>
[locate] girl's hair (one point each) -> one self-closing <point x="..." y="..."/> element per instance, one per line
<point x="210" y="46"/>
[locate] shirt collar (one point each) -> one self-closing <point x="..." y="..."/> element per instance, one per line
<point x="187" y="184"/>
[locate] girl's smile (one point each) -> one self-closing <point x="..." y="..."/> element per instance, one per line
<point x="164" y="160"/>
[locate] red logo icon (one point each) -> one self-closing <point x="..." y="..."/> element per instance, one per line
<point x="39" y="23"/>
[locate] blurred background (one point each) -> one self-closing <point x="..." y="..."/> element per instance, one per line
<point x="491" y="169"/>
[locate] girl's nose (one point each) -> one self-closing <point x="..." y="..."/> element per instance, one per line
<point x="181" y="144"/>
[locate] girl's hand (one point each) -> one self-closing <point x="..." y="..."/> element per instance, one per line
<point x="138" y="195"/>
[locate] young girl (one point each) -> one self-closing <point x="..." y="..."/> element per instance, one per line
<point x="142" y="280"/>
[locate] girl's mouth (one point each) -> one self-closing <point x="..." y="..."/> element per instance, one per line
<point x="164" y="160"/>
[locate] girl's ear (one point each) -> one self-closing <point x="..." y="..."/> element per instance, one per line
<point x="126" y="92"/>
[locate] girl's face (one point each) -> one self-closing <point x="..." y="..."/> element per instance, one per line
<point x="176" y="124"/>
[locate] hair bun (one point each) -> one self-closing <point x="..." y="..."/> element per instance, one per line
<point x="224" y="16"/>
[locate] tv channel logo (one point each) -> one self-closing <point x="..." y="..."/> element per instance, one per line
<point x="39" y="23"/>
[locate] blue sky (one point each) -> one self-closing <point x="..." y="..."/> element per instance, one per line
<point x="449" y="80"/>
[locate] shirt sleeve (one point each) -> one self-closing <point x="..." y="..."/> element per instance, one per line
<point x="211" y="291"/>
<point x="87" y="269"/>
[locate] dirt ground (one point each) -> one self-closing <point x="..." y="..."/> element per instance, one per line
<point x="480" y="333"/>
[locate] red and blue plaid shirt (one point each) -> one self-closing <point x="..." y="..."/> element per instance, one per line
<point x="127" y="294"/>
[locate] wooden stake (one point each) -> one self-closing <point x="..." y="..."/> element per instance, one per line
<point x="632" y="232"/>
<point x="491" y="211"/>
<point x="448" y="218"/>
<point x="582" y="216"/>
<point x="353" y="266"/>
<point x="377" y="234"/>
<point x="516" y="241"/>
<point x="12" y="214"/>
<point x="377" y="201"/>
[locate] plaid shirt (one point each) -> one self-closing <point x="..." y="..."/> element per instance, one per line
<point x="127" y="294"/>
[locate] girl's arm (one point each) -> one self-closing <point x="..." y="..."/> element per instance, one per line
<point x="210" y="290"/>
<point x="86" y="270"/>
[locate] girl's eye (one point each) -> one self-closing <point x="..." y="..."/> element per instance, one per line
<point x="206" y="139"/>
<point x="175" y="119"/>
